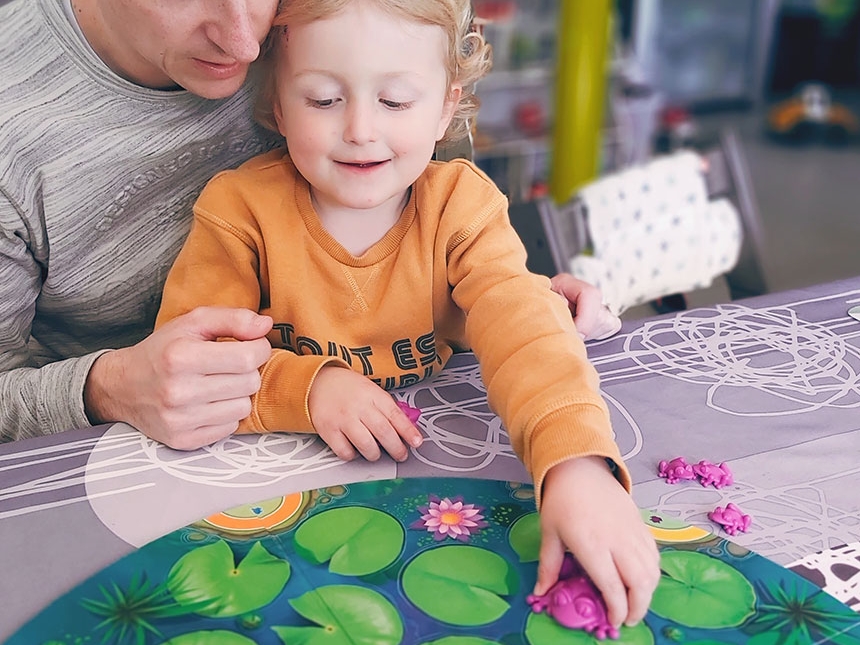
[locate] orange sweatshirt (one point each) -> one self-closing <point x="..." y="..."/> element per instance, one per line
<point x="449" y="276"/>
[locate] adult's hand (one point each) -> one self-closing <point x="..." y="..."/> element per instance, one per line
<point x="180" y="386"/>
<point x="592" y="318"/>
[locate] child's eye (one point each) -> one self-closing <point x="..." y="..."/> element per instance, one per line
<point x="321" y="103"/>
<point x="396" y="105"/>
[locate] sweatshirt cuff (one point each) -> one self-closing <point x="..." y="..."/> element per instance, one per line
<point x="282" y="402"/>
<point x="565" y="434"/>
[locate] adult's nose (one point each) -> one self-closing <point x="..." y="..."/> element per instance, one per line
<point x="235" y="30"/>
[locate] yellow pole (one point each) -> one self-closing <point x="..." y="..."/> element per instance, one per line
<point x="580" y="94"/>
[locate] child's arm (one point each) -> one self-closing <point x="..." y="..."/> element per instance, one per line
<point x="540" y="382"/>
<point x="585" y="510"/>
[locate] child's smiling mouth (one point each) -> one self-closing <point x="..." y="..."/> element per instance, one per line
<point x="362" y="164"/>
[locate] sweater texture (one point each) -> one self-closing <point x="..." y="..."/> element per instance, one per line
<point x="97" y="180"/>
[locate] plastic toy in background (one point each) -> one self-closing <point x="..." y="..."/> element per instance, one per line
<point x="717" y="474"/>
<point x="574" y="602"/>
<point x="530" y="118"/>
<point x="676" y="129"/>
<point x="676" y="470"/>
<point x="411" y="413"/>
<point x="812" y="113"/>
<point x="730" y="518"/>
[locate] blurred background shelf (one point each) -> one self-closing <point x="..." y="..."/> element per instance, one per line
<point x="716" y="63"/>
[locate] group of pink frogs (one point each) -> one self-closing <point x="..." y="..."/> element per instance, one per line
<point x="730" y="518"/>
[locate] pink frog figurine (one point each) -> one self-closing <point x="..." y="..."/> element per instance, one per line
<point x="574" y="602"/>
<point x="676" y="470"/>
<point x="731" y="518"/>
<point x="411" y="413"/>
<point x="717" y="474"/>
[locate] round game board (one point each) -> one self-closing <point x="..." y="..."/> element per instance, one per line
<point x="441" y="561"/>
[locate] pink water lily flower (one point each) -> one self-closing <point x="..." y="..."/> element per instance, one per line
<point x="450" y="518"/>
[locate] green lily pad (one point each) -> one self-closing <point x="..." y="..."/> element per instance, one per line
<point x="524" y="537"/>
<point x="210" y="637"/>
<point x="209" y="574"/>
<point x="462" y="640"/>
<point x="543" y="630"/>
<point x="346" y="615"/>
<point x="697" y="590"/>
<point x="357" y="541"/>
<point x="460" y="584"/>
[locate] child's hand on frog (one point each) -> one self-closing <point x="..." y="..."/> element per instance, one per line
<point x="352" y="413"/>
<point x="586" y="511"/>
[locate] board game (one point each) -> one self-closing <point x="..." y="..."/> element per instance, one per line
<point x="426" y="561"/>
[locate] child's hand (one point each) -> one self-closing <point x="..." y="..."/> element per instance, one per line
<point x="350" y="412"/>
<point x="586" y="510"/>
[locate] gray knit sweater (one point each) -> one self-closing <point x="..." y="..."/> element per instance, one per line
<point x="97" y="179"/>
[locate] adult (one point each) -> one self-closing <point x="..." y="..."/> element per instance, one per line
<point x="115" y="113"/>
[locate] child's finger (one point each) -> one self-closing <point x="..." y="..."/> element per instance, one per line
<point x="604" y="574"/>
<point x="362" y="438"/>
<point x="405" y="428"/>
<point x="638" y="599"/>
<point x="549" y="562"/>
<point x="338" y="443"/>
<point x="397" y="427"/>
<point x="379" y="424"/>
<point x="641" y="572"/>
<point x="384" y="432"/>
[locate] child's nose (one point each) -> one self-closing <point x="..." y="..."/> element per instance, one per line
<point x="360" y="124"/>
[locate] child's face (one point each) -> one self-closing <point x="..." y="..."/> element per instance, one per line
<point x="362" y="99"/>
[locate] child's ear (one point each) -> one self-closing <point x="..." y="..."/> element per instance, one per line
<point x="448" y="109"/>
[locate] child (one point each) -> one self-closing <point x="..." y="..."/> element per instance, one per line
<point x="376" y="264"/>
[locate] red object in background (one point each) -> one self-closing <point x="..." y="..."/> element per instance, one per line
<point x="676" y="129"/>
<point x="530" y="118"/>
<point x="539" y="189"/>
<point x="495" y="10"/>
<point x="675" y="115"/>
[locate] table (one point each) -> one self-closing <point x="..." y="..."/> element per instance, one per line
<point x="770" y="385"/>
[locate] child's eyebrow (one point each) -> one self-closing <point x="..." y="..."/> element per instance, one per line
<point x="400" y="75"/>
<point x="317" y="72"/>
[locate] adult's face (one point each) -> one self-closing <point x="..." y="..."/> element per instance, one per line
<point x="204" y="46"/>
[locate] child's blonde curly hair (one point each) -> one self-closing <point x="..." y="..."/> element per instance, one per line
<point x="468" y="59"/>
